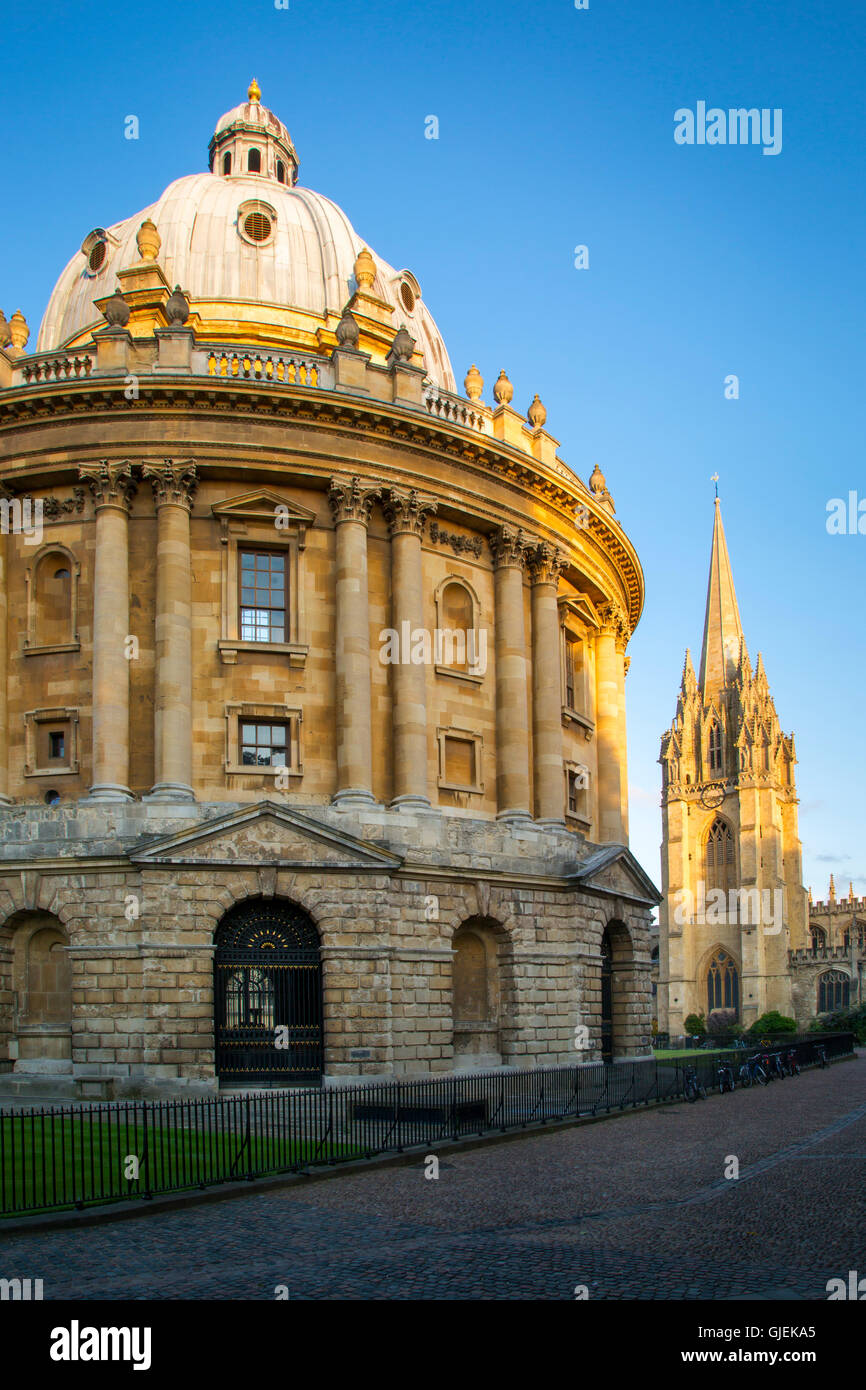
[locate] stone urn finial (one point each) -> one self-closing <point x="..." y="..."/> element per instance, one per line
<point x="177" y="308"/>
<point x="403" y="346"/>
<point x="536" y="413"/>
<point x="597" y="482"/>
<point x="18" y="330"/>
<point x="254" y="92"/>
<point x="347" y="331"/>
<point x="473" y="383"/>
<point x="5" y="335"/>
<point x="503" y="391"/>
<point x="365" y="269"/>
<point x="148" y="241"/>
<point x="116" y="311"/>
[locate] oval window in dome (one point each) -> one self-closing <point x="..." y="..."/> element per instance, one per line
<point x="96" y="258"/>
<point x="257" y="226"/>
<point x="407" y="296"/>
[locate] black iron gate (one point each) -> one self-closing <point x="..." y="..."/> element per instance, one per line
<point x="268" y="995"/>
<point x="606" y="999"/>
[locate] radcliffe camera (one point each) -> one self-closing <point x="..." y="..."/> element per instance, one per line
<point x="429" y="605"/>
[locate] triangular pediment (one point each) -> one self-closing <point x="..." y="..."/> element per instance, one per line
<point x="261" y="505"/>
<point x="613" y="869"/>
<point x="266" y="834"/>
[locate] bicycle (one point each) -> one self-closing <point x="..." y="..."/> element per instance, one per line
<point x="777" y="1068"/>
<point x="821" y="1051"/>
<point x="692" y="1088"/>
<point x="752" y="1073"/>
<point x="726" y="1078"/>
<point x="792" y="1063"/>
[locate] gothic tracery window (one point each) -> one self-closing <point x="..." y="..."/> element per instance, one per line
<point x="834" y="991"/>
<point x="720" y="856"/>
<point x="723" y="983"/>
<point x="716" y="749"/>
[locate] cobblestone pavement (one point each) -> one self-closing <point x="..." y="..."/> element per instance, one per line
<point x="637" y="1207"/>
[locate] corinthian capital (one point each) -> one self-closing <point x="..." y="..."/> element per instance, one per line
<point x="172" y="482"/>
<point x="351" y="499"/>
<point x="546" y="563"/>
<point x="111" y="483"/>
<point x="407" y="510"/>
<point x="509" y="547"/>
<point x="614" y="619"/>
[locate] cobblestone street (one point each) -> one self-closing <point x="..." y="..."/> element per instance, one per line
<point x="637" y="1207"/>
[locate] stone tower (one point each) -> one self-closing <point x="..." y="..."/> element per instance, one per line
<point x="733" y="901"/>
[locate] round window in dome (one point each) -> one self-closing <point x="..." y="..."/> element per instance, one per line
<point x="96" y="259"/>
<point x="257" y="226"/>
<point x="408" y="296"/>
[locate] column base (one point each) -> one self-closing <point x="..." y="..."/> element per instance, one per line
<point x="515" y="817"/>
<point x="410" y="802"/>
<point x="170" y="791"/>
<point x="551" y="823"/>
<point x="109" y="791"/>
<point x="6" y="800"/>
<point x="353" y="796"/>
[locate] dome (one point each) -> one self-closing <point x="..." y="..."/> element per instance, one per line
<point x="253" y="252"/>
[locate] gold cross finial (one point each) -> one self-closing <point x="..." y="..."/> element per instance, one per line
<point x="255" y="91"/>
<point x="715" y="479"/>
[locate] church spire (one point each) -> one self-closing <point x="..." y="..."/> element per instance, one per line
<point x="723" y="632"/>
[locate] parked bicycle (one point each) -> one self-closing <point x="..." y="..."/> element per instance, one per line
<point x="726" y="1077"/>
<point x="777" y="1068"/>
<point x="821" y="1055"/>
<point x="752" y="1073"/>
<point x="692" y="1088"/>
<point x="792" y="1062"/>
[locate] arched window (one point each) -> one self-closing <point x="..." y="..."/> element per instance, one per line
<point x="720" y="856"/>
<point x="834" y="991"/>
<point x="457" y="623"/>
<point x="723" y="983"/>
<point x="227" y="163"/>
<point x="716" y="749"/>
<point x="818" y="938"/>
<point x="254" y="162"/>
<point x="51" y="619"/>
<point x="281" y="171"/>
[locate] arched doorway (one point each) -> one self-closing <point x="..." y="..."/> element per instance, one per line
<point x="268" y="995"/>
<point x="606" y="998"/>
<point x="39" y="1031"/>
<point x="476" y="994"/>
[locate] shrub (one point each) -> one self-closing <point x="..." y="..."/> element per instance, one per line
<point x="721" y="1021"/>
<point x="845" y="1020"/>
<point x="695" y="1025"/>
<point x="772" y="1022"/>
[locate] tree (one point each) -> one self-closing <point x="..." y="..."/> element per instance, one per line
<point x="772" y="1022"/>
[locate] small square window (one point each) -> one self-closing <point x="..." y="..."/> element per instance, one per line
<point x="57" y="743"/>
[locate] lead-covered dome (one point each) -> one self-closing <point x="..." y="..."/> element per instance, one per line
<point x="260" y="258"/>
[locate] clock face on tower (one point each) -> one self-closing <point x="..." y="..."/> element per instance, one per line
<point x="712" y="797"/>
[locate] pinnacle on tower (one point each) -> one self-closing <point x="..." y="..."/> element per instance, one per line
<point x="832" y="890"/>
<point x="723" y="632"/>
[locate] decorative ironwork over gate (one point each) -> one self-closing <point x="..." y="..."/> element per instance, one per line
<point x="268" y="995"/>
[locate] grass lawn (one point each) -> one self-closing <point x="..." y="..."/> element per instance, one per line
<point x="48" y="1162"/>
<point x="667" y="1054"/>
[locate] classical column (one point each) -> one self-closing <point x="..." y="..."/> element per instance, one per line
<point x="407" y="512"/>
<point x="611" y="768"/>
<point x="174" y="486"/>
<point x="113" y="489"/>
<point x="351" y="500"/>
<point x="5" y="798"/>
<point x="545" y="564"/>
<point x="622" y="666"/>
<point x="512" y="718"/>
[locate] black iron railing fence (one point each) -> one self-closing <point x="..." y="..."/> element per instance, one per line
<point x="74" y="1156"/>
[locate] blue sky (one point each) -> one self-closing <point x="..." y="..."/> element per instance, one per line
<point x="556" y="129"/>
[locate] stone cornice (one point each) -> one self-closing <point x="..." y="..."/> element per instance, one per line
<point x="71" y="399"/>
